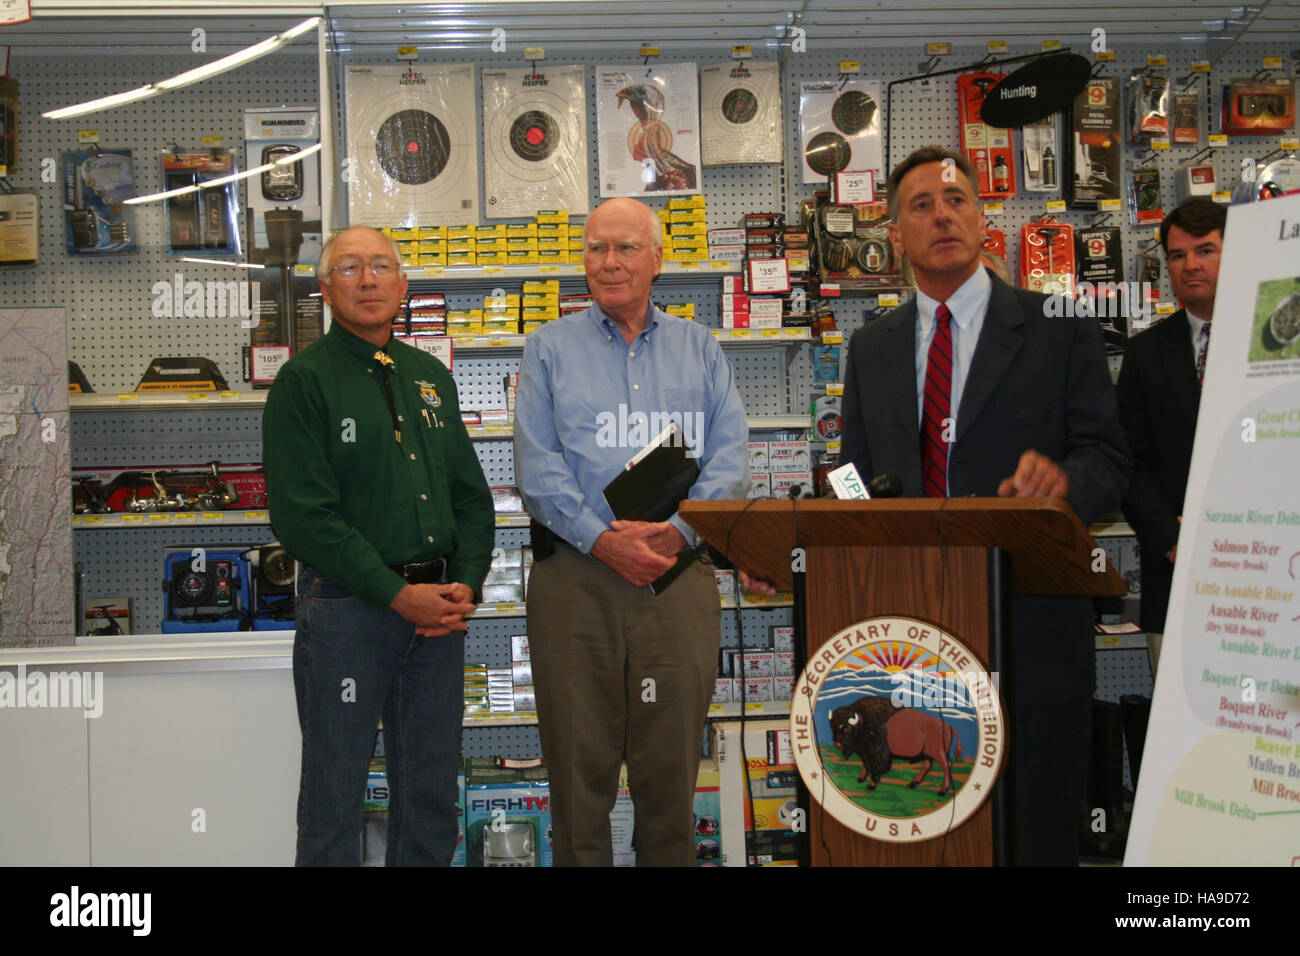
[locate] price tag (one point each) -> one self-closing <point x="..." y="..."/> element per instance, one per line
<point x="850" y="66"/>
<point x="163" y="519"/>
<point x="833" y="447"/>
<point x="835" y="388"/>
<point x="503" y="521"/>
<point x="1109" y="205"/>
<point x="494" y="271"/>
<point x="739" y="334"/>
<point x="1222" y="196"/>
<point x="255" y="516"/>
<point x="1105" y="56"/>
<point x="1165" y="308"/>
<point x="754" y="707"/>
<point x="499" y="343"/>
<point x="87" y="136"/>
<point x="1158" y="144"/>
<point x="497" y="429"/>
<point x="1289" y="144"/>
<point x="1271" y="63"/>
<point x="888" y="299"/>
<point x="855" y="187"/>
<point x="534" y="53"/>
<point x="741" y="52"/>
<point x="211" y="140"/>
<point x="132" y="519"/>
<point x="1050" y="45"/>
<point x="832" y="338"/>
<point x="433" y="270"/>
<point x="768" y="275"/>
<point x="1055" y="205"/>
<point x="267" y="360"/>
<point x="90" y="519"/>
<point x="199" y="396"/>
<point x="214" y="516"/>
<point x="648" y="51"/>
<point x="993" y="209"/>
<point x="228" y="396"/>
<point x="548" y="269"/>
<point x="1217" y="139"/>
<point x="717" y="708"/>
<point x="769" y="333"/>
<point x="408" y="52"/>
<point x="997" y="46"/>
<point x="688" y="264"/>
<point x="506" y="608"/>
<point x="128" y="397"/>
<point x="184" y="516"/>
<point x="829" y="290"/>
<point x="938" y="49"/>
<point x="1155" y="59"/>
<point x="1200" y="66"/>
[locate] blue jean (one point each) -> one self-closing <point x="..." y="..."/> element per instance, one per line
<point x="352" y="664"/>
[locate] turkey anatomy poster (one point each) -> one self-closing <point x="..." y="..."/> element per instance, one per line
<point x="648" y="129"/>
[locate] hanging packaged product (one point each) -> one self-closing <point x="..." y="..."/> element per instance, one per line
<point x="1144" y="206"/>
<point x="19" y="236"/>
<point x="1148" y="275"/>
<point x="1095" y="152"/>
<point x="8" y="126"/>
<point x="1193" y="179"/>
<point x="995" y="241"/>
<point x="1258" y="107"/>
<point x="96" y="183"/>
<point x="1041" y="144"/>
<point x="988" y="147"/>
<point x="1185" y="121"/>
<point x="1148" y="108"/>
<point x="1100" y="290"/>
<point x="204" y="219"/>
<point x="1047" y="256"/>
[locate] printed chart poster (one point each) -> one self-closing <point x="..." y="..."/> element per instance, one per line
<point x="535" y="141"/>
<point x="1220" y="781"/>
<point x="740" y="108"/>
<point x="840" y="127"/>
<point x="648" y="129"/>
<point x="35" y="524"/>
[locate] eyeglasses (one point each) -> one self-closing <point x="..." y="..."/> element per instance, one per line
<point x="379" y="268"/>
<point x="624" y="250"/>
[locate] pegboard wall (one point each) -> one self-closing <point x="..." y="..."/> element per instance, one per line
<point x="113" y="331"/>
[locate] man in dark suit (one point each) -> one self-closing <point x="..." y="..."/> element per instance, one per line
<point x="1159" y="396"/>
<point x="976" y="388"/>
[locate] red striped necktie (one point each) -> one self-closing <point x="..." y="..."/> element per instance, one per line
<point x="937" y="412"/>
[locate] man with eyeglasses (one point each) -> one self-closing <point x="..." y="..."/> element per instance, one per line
<point x="618" y="670"/>
<point x="375" y="489"/>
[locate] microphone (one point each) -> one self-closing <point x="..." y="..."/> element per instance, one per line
<point x="848" y="484"/>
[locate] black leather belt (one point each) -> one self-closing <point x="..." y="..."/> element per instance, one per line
<point x="422" y="572"/>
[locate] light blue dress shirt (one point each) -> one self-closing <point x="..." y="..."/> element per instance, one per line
<point x="588" y="401"/>
<point x="968" y="306"/>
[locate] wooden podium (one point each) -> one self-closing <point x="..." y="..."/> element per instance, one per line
<point x="954" y="562"/>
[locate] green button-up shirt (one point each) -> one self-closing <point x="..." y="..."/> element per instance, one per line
<point x="345" y="496"/>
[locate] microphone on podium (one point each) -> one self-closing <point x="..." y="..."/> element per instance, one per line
<point x="847" y="483"/>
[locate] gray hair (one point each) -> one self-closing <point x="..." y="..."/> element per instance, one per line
<point x="323" y="264"/>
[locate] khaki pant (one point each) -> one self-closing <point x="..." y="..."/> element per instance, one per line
<point x="618" y="671"/>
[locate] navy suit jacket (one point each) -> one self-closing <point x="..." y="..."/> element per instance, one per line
<point x="1036" y="381"/>
<point x="1159" y="398"/>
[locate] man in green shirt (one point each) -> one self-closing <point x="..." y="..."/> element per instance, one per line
<point x="375" y="489"/>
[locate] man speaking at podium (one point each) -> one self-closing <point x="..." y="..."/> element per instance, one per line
<point x="972" y="388"/>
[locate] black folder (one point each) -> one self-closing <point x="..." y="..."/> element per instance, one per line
<point x="651" y="486"/>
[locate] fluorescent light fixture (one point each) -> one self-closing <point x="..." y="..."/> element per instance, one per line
<point x="104" y="103"/>
<point x="189" y="77"/>
<point x="220" y="262"/>
<point x="221" y="181"/>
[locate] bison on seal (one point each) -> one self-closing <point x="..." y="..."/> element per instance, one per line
<point x="877" y="731"/>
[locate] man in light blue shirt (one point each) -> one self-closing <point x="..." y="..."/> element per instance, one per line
<point x="619" y="670"/>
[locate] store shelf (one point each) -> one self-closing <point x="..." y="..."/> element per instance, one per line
<point x="500" y="720"/>
<point x="760" y="338"/>
<point x="1111" y="529"/>
<point x="784" y="423"/>
<point x="748" y="601"/>
<point x="671" y="271"/>
<point x="754" y="708"/>
<point x="155" y="401"/>
<point x="187" y="519"/>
